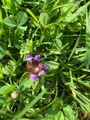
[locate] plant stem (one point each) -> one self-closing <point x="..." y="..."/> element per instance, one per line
<point x="20" y="114"/>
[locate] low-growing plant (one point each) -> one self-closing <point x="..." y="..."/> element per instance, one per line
<point x="44" y="60"/>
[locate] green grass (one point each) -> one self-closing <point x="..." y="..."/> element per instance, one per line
<point x="58" y="31"/>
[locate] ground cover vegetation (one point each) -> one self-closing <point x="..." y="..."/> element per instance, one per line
<point x="44" y="59"/>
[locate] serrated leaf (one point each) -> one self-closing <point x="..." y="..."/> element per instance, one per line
<point x="9" y="69"/>
<point x="21" y="18"/>
<point x="5" y="71"/>
<point x="44" y="18"/>
<point x="9" y="21"/>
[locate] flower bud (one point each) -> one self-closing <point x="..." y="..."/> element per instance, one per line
<point x="15" y="94"/>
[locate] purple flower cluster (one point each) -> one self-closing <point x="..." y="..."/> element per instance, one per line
<point x="35" y="67"/>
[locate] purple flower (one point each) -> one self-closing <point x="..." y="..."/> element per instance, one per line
<point x="29" y="58"/>
<point x="33" y="77"/>
<point x="46" y="67"/>
<point x="37" y="58"/>
<point x="42" y="72"/>
<point x="35" y="67"/>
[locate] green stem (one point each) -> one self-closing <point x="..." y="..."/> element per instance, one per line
<point x="40" y="83"/>
<point x="47" y="106"/>
<point x="20" y="114"/>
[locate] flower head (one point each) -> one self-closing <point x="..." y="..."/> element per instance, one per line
<point x="35" y="67"/>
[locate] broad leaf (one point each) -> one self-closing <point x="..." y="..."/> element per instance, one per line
<point x="6" y="89"/>
<point x="9" y="21"/>
<point x="26" y="83"/>
<point x="69" y="113"/>
<point x="44" y="18"/>
<point x="21" y="18"/>
<point x="58" y="43"/>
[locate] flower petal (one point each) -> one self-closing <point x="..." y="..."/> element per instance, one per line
<point x="42" y="72"/>
<point x="33" y="77"/>
<point x="46" y="67"/>
<point x="28" y="58"/>
<point x="37" y="58"/>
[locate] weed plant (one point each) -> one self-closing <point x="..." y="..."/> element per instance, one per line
<point x="59" y="32"/>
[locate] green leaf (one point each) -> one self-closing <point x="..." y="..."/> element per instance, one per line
<point x="32" y="14"/>
<point x="21" y="18"/>
<point x="1" y="74"/>
<point x="24" y="28"/>
<point x="26" y="82"/>
<point x="19" y="1"/>
<point x="54" y="114"/>
<point x="61" y="115"/>
<point x="58" y="116"/>
<point x="83" y="101"/>
<point x="24" y="119"/>
<point x="2" y="50"/>
<point x="52" y="64"/>
<point x="74" y="48"/>
<point x="58" y="43"/>
<point x="78" y="12"/>
<point x="2" y="100"/>
<point x="1" y="18"/>
<point x="44" y="18"/>
<point x="9" y="21"/>
<point x="69" y="113"/>
<point x="9" y="69"/>
<point x="6" y="89"/>
<point x="88" y="37"/>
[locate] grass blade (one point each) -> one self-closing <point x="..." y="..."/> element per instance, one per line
<point x="88" y="37"/>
